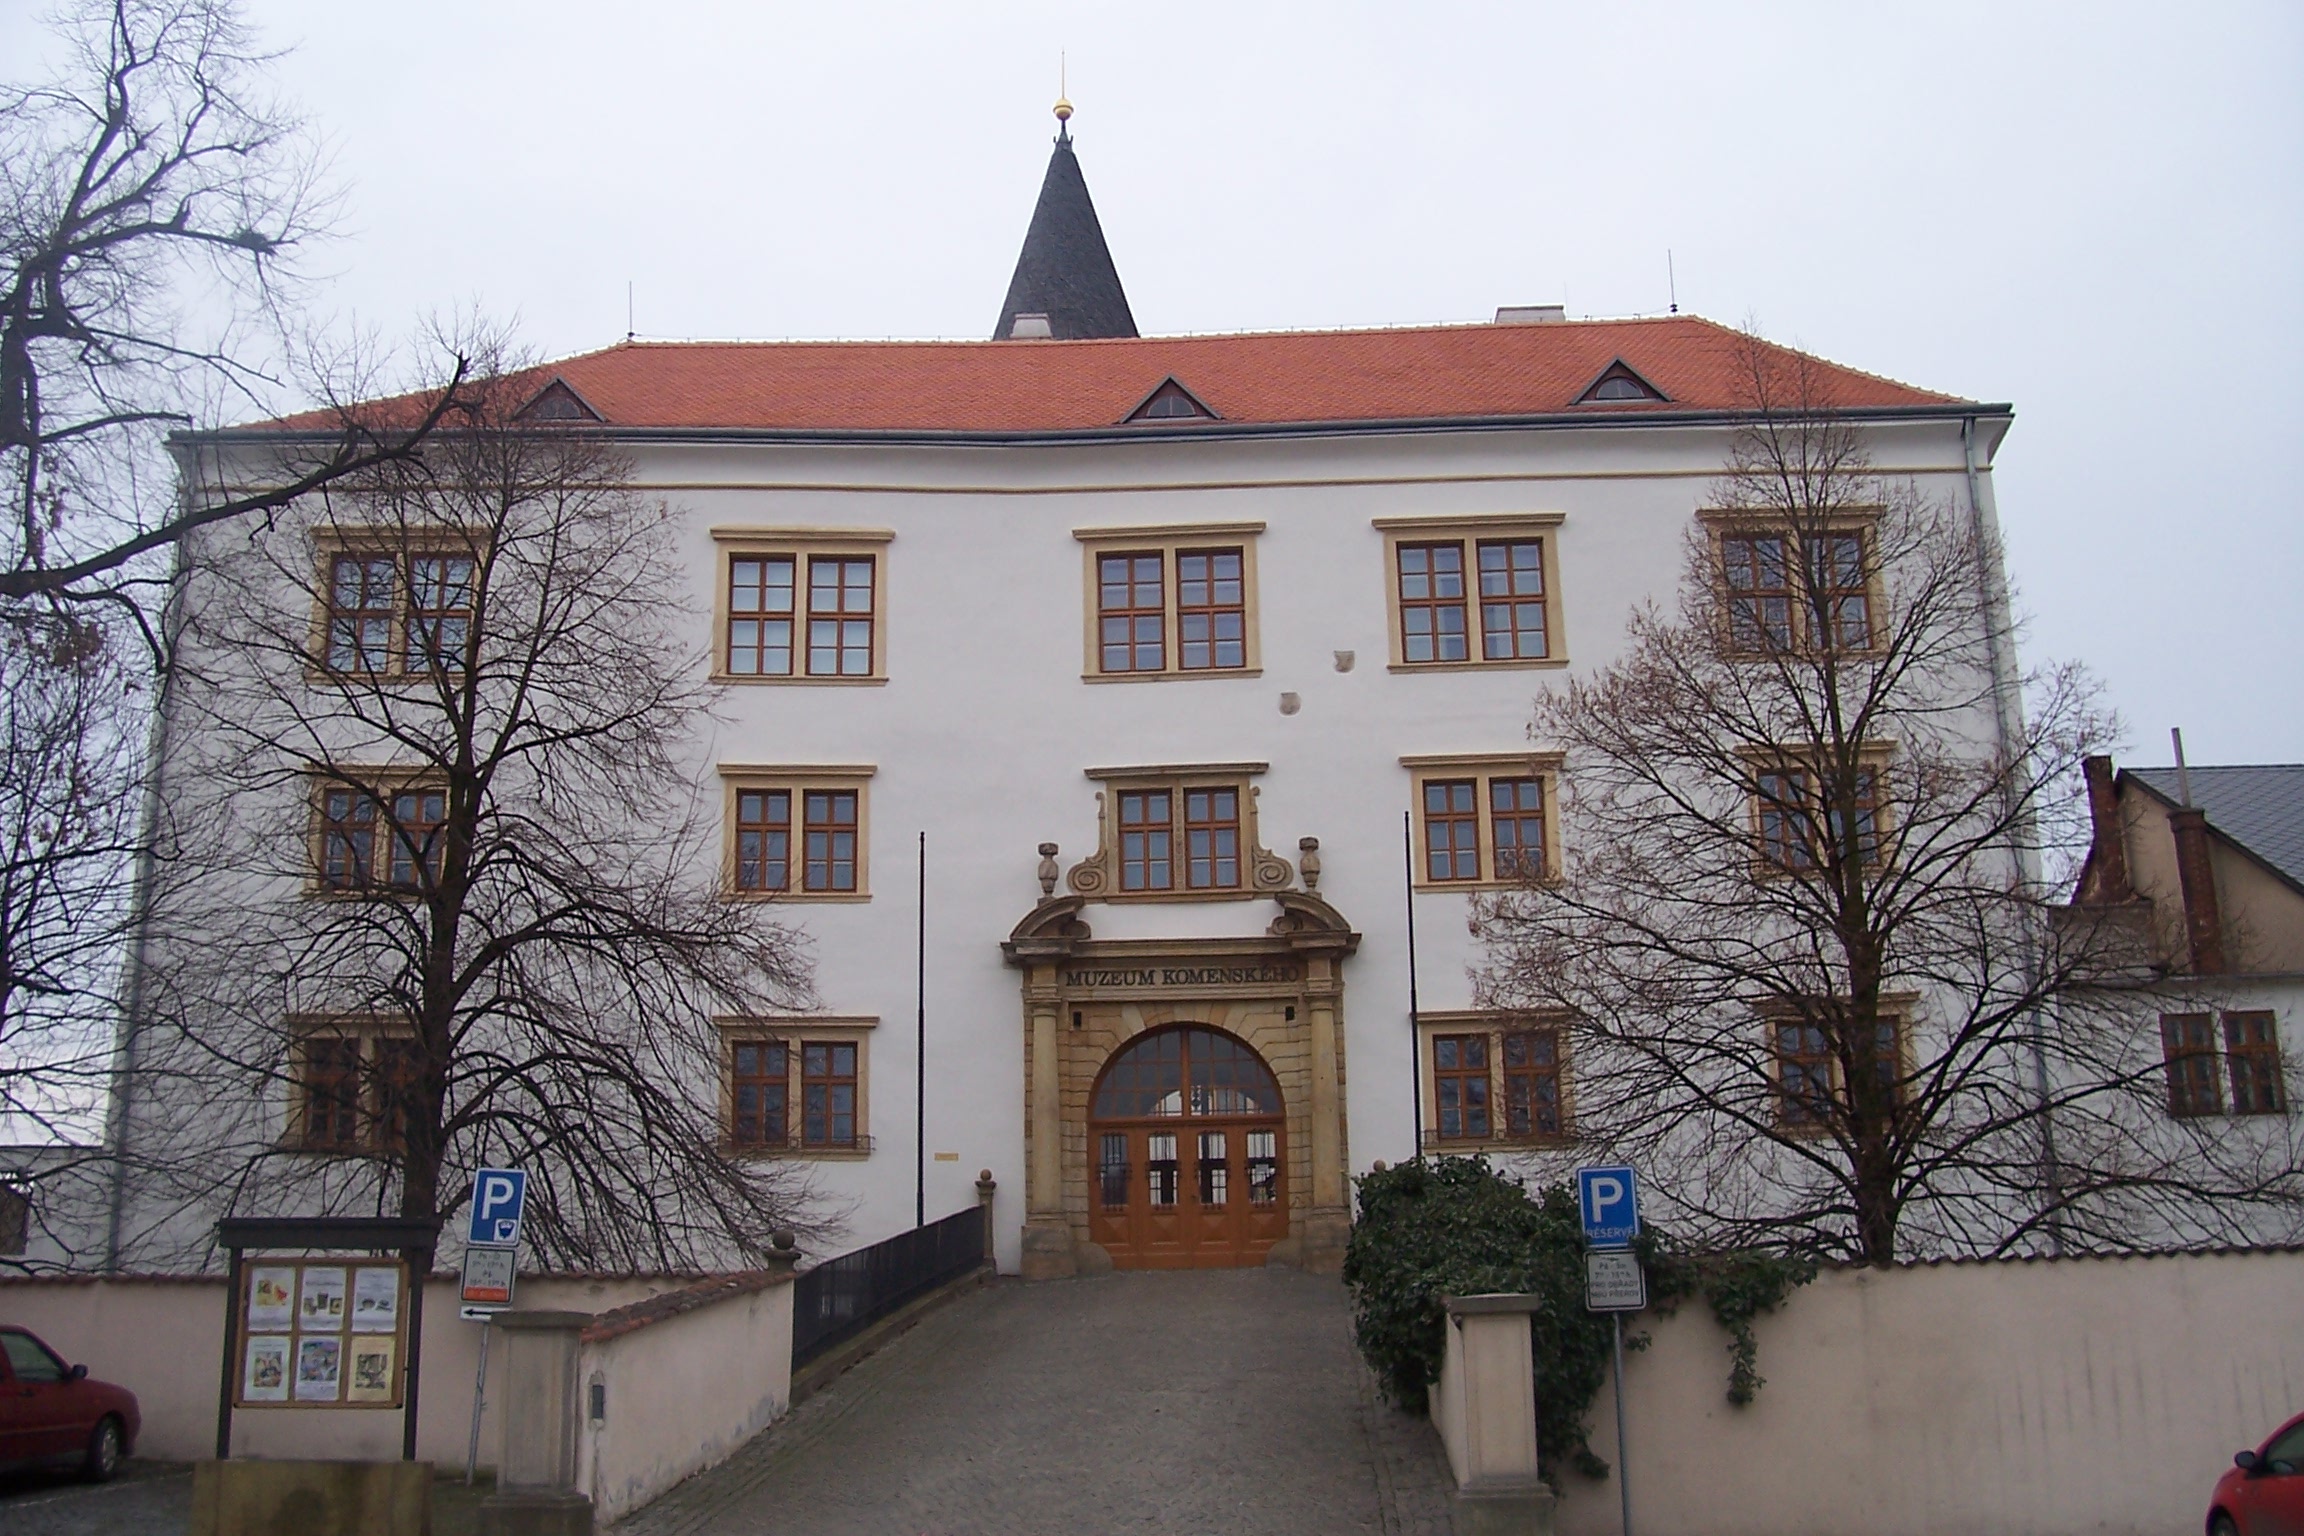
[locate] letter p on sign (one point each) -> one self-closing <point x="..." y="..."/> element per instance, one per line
<point x="498" y="1196"/>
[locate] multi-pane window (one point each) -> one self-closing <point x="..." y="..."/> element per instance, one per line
<point x="827" y="1094"/>
<point x="758" y="1083"/>
<point x="1451" y="829"/>
<point x="1432" y="617"/>
<point x="1512" y="600"/>
<point x="840" y="616"/>
<point x="2252" y="1050"/>
<point x="1878" y="1056"/>
<point x="1211" y="610"/>
<point x="763" y="839"/>
<point x="1263" y="1167"/>
<point x="1460" y="1086"/>
<point x="1798" y="832"/>
<point x="1769" y="613"/>
<point x="1481" y="820"/>
<point x="1160" y="1171"/>
<point x="416" y="837"/>
<point x="411" y="613"/>
<point x="1516" y="827"/>
<point x="1215" y="1172"/>
<point x="1181" y="610"/>
<point x="1132" y="612"/>
<point x="1146" y="841"/>
<point x="1532" y="1083"/>
<point x="828" y="830"/>
<point x="1211" y="839"/>
<point x="811" y="611"/>
<point x="15" y="1221"/>
<point x="789" y="1092"/>
<point x="361" y="589"/>
<point x="1209" y="833"/>
<point x="1112" y="1170"/>
<point x="400" y="832"/>
<point x="353" y="1090"/>
<point x="439" y="612"/>
<point x="760" y="615"/>
<point x="2188" y="1044"/>
<point x="1803" y="1074"/>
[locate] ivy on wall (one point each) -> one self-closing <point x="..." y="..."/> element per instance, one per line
<point x="1456" y="1227"/>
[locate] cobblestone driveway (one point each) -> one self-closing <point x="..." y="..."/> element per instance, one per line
<point x="1219" y="1401"/>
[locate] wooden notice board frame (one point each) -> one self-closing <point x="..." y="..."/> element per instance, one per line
<point x="350" y="1243"/>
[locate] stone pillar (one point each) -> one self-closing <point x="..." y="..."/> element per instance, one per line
<point x="1484" y="1405"/>
<point x="986" y="1187"/>
<point x="1047" y="1234"/>
<point x="1328" y="1224"/>
<point x="536" y="1492"/>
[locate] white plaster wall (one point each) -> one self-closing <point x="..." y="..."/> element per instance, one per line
<point x="163" y="1339"/>
<point x="2046" y="1398"/>
<point x="984" y="725"/>
<point x="683" y="1394"/>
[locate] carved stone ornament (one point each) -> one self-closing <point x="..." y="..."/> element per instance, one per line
<point x="1098" y="875"/>
<point x="1047" y="870"/>
<point x="1308" y="861"/>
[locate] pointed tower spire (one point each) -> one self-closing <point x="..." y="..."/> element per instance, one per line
<point x="1065" y="270"/>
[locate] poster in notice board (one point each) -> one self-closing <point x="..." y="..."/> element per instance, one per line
<point x="323" y="1333"/>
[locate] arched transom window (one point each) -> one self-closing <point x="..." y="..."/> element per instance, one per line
<point x="1186" y="1071"/>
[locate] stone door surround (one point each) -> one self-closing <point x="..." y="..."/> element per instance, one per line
<point x="1084" y="999"/>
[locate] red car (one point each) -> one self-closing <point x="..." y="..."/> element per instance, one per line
<point x="2263" y="1494"/>
<point x="51" y="1413"/>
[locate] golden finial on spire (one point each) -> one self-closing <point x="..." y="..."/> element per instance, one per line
<point x="1063" y="107"/>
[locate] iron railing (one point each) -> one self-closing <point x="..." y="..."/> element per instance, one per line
<point x="842" y="1297"/>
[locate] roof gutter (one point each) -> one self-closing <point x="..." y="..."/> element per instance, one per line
<point x="1967" y="413"/>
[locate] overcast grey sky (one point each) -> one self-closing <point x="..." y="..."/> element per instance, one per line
<point x="2093" y="211"/>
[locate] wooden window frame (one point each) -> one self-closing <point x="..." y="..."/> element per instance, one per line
<point x="1896" y="1015"/>
<point x="1102" y="874"/>
<point x="2193" y="1069"/>
<point x="1483" y="770"/>
<point x="795" y="1034"/>
<point x="1496" y="1026"/>
<point x="1861" y="522"/>
<point x="15" y="1217"/>
<point x="376" y="1106"/>
<point x="768" y="826"/>
<point x="1171" y="543"/>
<point x="379" y="788"/>
<point x="1469" y="533"/>
<point x="401" y="548"/>
<point x="803" y="547"/>
<point x="796" y="780"/>
<point x="1772" y="853"/>
<point x="2254" y="1070"/>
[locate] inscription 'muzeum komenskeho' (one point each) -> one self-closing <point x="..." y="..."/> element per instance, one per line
<point x="1259" y="974"/>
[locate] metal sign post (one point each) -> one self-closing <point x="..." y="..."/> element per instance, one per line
<point x="1608" y="1199"/>
<point x="491" y="1266"/>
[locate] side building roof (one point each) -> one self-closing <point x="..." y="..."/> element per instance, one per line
<point x="2260" y="807"/>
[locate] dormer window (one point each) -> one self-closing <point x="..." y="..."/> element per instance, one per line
<point x="558" y="401"/>
<point x="1618" y="384"/>
<point x="1171" y="402"/>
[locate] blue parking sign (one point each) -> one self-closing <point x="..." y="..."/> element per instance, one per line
<point x="1609" y="1199"/>
<point x="498" y="1195"/>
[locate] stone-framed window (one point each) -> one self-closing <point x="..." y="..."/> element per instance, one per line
<point x="796" y="1086"/>
<point x="1484" y="820"/>
<point x="801" y="605"/>
<point x="1494" y="1079"/>
<point x="1472" y="592"/>
<point x="1168" y="601"/>
<point x="797" y="832"/>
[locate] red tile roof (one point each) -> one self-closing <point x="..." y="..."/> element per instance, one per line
<point x="1295" y="377"/>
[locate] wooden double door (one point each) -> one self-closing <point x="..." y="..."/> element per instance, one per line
<point x="1187" y="1154"/>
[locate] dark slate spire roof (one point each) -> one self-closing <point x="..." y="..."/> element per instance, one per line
<point x="1064" y="271"/>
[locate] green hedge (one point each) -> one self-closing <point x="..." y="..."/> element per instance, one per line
<point x="1454" y="1226"/>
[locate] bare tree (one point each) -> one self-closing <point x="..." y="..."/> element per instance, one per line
<point x="453" y="898"/>
<point x="1811" y="973"/>
<point x="153" y="205"/>
<point x="70" y="719"/>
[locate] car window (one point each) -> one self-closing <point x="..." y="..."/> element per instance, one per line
<point x="2288" y="1448"/>
<point x="30" y="1358"/>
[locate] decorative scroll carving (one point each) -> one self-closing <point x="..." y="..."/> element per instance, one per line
<point x="1092" y="876"/>
<point x="1270" y="871"/>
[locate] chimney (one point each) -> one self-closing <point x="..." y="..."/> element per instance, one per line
<point x="2203" y="919"/>
<point x="1532" y="314"/>
<point x="2108" y="879"/>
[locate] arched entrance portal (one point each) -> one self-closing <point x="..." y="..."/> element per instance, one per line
<point x="1187" y="1153"/>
